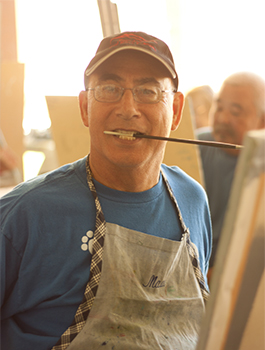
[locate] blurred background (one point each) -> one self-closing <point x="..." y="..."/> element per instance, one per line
<point x="47" y="44"/>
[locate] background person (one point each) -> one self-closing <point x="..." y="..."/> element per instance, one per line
<point x="239" y="107"/>
<point x="9" y="173"/>
<point x="117" y="217"/>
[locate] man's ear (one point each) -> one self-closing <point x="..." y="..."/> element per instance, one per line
<point x="178" y="105"/>
<point x="83" y="107"/>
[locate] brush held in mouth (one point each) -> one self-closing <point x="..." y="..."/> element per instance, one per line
<point x="119" y="133"/>
<point x="123" y="135"/>
<point x="162" y="138"/>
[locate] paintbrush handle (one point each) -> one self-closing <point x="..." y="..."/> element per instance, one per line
<point x="194" y="142"/>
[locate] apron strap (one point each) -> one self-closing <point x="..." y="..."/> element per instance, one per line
<point x="95" y="272"/>
<point x="191" y="249"/>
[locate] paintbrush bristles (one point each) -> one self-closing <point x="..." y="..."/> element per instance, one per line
<point x="116" y="133"/>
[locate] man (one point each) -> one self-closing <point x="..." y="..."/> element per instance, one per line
<point x="239" y="107"/>
<point x="110" y="229"/>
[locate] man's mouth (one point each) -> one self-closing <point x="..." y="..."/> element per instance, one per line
<point x="127" y="135"/>
<point x="123" y="134"/>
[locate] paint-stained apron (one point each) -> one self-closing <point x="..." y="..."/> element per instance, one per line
<point x="148" y="296"/>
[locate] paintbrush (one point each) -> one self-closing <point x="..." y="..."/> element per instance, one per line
<point x="162" y="138"/>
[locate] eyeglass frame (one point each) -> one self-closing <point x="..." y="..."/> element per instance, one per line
<point x="122" y="89"/>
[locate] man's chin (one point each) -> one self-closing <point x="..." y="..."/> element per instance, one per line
<point x="223" y="137"/>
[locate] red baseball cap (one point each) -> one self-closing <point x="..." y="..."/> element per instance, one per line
<point x="138" y="41"/>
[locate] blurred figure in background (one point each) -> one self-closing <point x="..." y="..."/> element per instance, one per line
<point x="9" y="173"/>
<point x="238" y="108"/>
<point x="200" y="100"/>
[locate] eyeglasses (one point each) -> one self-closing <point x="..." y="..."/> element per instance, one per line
<point x="146" y="93"/>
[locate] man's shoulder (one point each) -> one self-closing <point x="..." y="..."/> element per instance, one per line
<point x="178" y="178"/>
<point x="46" y="185"/>
<point x="55" y="175"/>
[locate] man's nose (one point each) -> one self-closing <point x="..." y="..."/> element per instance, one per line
<point x="223" y="116"/>
<point x="127" y="106"/>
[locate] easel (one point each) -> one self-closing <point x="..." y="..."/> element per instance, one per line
<point x="11" y="82"/>
<point x="235" y="313"/>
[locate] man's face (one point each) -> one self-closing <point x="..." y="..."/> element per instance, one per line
<point x="234" y="113"/>
<point x="130" y="69"/>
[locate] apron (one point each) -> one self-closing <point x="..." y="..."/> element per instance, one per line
<point x="149" y="295"/>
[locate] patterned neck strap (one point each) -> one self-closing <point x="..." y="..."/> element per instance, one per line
<point x="95" y="272"/>
<point x="96" y="264"/>
<point x="191" y="249"/>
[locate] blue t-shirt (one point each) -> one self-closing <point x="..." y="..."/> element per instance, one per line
<point x="219" y="168"/>
<point x="44" y="261"/>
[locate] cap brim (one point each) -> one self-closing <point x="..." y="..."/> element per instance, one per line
<point x="103" y="59"/>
